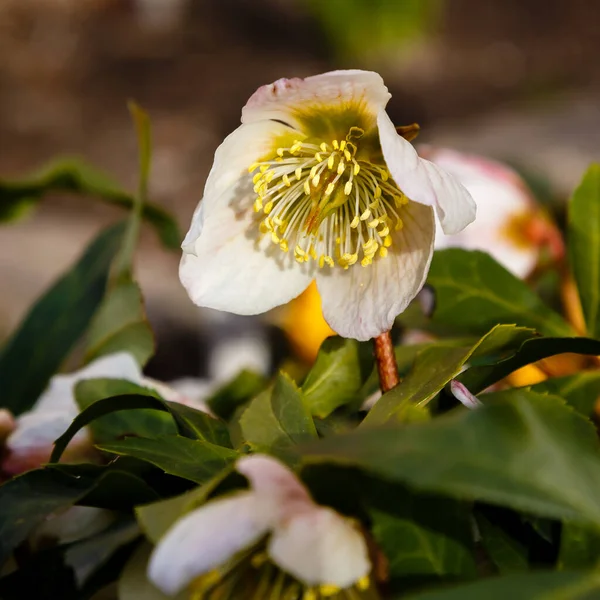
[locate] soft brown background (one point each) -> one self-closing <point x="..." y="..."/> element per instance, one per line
<point x="516" y="79"/>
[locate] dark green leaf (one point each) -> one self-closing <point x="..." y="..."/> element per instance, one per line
<point x="508" y="554"/>
<point x="187" y="421"/>
<point x="524" y="450"/>
<point x="142" y="422"/>
<point x="579" y="547"/>
<point x="437" y="365"/>
<point x="55" y="323"/>
<point x="236" y="393"/>
<point x="121" y="324"/>
<point x="581" y="390"/>
<point x="196" y="424"/>
<point x="584" y="246"/>
<point x="77" y="177"/>
<point x="338" y="374"/>
<point x="424" y="538"/>
<point x="478" y="379"/>
<point x="474" y="293"/>
<point x="290" y="411"/>
<point x="195" y="460"/>
<point x="524" y="586"/>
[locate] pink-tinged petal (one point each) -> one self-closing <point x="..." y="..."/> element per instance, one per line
<point x="229" y="182"/>
<point x="276" y="485"/>
<point x="320" y="547"/>
<point x="504" y="206"/>
<point x="236" y="271"/>
<point x="31" y="443"/>
<point x="205" y="539"/>
<point x="423" y="181"/>
<point x="292" y="100"/>
<point x="463" y="395"/>
<point x="362" y="302"/>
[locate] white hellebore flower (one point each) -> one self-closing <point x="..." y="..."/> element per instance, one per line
<point x="317" y="184"/>
<point x="510" y="225"/>
<point x="314" y="544"/>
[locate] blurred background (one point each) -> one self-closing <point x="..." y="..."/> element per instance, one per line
<point x="517" y="80"/>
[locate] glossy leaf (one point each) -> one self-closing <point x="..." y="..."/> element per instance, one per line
<point x="78" y="177"/>
<point x="474" y="293"/>
<point x="479" y="378"/>
<point x="195" y="460"/>
<point x="437" y="365"/>
<point x="584" y="246"/>
<point x="523" y="450"/>
<point x="142" y="422"/>
<point x="337" y="376"/>
<point x="524" y="586"/>
<point x="55" y="323"/>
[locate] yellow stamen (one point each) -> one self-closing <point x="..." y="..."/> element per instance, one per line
<point x="348" y="188"/>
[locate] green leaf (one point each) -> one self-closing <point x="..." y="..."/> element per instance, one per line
<point x="142" y="422"/>
<point x="198" y="425"/>
<point x="227" y="399"/>
<point x="337" y="376"/>
<point x="474" y="293"/>
<point x="524" y="586"/>
<point x="55" y="323"/>
<point x="276" y="420"/>
<point x="524" y="450"/>
<point x="479" y="378"/>
<point x="584" y="246"/>
<point x="187" y="425"/>
<point x="28" y="499"/>
<point x="425" y="538"/>
<point x="581" y="390"/>
<point x="77" y="177"/>
<point x="290" y="410"/>
<point x="195" y="460"/>
<point x="121" y="324"/>
<point x="437" y="365"/>
<point x="508" y="554"/>
<point x="579" y="547"/>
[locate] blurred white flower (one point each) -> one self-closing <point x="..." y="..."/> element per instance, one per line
<point x="32" y="438"/>
<point x="317" y="184"/>
<point x="314" y="544"/>
<point x="510" y="225"/>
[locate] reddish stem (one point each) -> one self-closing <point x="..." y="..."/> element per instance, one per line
<point x="386" y="362"/>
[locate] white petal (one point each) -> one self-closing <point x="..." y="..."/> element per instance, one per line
<point x="232" y="355"/>
<point x="463" y="395"/>
<point x="59" y="395"/>
<point x="423" y="181"/>
<point x="233" y="270"/>
<point x="205" y="539"/>
<point x="501" y="197"/>
<point x="275" y="484"/>
<point x="285" y="99"/>
<point x="320" y="547"/>
<point x="229" y="181"/>
<point x="362" y="302"/>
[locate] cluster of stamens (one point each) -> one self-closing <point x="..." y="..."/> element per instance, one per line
<point x="325" y="205"/>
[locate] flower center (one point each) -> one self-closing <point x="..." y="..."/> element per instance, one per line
<point x="326" y="204"/>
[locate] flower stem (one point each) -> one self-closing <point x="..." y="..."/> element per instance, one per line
<point x="386" y="362"/>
